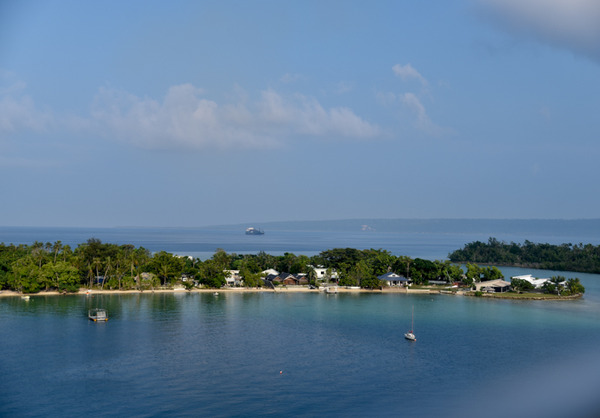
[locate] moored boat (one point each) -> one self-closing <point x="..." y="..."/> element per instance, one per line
<point x="97" y="314"/>
<point x="410" y="335"/>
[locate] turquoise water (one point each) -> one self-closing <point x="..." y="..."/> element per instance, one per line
<point x="276" y="354"/>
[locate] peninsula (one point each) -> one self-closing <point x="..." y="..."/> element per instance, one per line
<point x="94" y="266"/>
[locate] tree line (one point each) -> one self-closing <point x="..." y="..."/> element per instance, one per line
<point x="94" y="264"/>
<point x="564" y="257"/>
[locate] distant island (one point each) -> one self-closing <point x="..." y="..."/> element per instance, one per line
<point x="101" y="266"/>
<point x="564" y="257"/>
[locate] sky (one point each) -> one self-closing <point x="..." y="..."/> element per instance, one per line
<point x="197" y="113"/>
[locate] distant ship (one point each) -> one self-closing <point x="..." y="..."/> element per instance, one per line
<point x="254" y="231"/>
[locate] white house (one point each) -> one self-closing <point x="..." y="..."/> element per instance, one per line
<point x="537" y="283"/>
<point x="393" y="279"/>
<point x="321" y="272"/>
<point x="233" y="278"/>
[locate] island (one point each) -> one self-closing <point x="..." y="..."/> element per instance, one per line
<point x="97" y="266"/>
<point x="565" y="257"/>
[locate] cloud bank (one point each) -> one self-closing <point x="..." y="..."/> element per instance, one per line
<point x="571" y="24"/>
<point x="186" y="119"/>
<point x="18" y="112"/>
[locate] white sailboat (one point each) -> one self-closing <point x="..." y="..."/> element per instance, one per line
<point x="410" y="335"/>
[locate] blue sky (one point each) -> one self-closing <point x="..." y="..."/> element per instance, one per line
<point x="193" y="113"/>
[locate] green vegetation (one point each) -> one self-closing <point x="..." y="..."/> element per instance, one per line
<point x="560" y="286"/>
<point x="93" y="264"/>
<point x="564" y="257"/>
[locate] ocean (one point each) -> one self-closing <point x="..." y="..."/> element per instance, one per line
<point x="429" y="239"/>
<point x="281" y="354"/>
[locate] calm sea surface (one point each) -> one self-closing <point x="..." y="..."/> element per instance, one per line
<point x="203" y="242"/>
<point x="277" y="354"/>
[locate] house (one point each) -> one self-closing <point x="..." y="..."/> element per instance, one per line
<point x="302" y="278"/>
<point x="321" y="273"/>
<point x="492" y="286"/>
<point x="287" y="279"/>
<point x="233" y="278"/>
<point x="537" y="283"/>
<point x="393" y="279"/>
<point x="268" y="272"/>
<point x="273" y="278"/>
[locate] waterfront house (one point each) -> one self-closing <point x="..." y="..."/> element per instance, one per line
<point x="233" y="278"/>
<point x="392" y="279"/>
<point x="287" y="279"/>
<point x="537" y="283"/>
<point x="492" y="286"/>
<point x="323" y="273"/>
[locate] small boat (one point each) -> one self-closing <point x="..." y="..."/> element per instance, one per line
<point x="410" y="335"/>
<point x="97" y="314"/>
<point x="331" y="289"/>
<point x="254" y="231"/>
<point x="25" y="297"/>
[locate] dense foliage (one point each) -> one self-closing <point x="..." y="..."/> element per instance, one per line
<point x="564" y="257"/>
<point x="93" y="264"/>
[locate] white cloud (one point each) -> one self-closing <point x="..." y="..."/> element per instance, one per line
<point x="410" y="103"/>
<point x="413" y="102"/>
<point x="18" y="111"/>
<point x="185" y="119"/>
<point x="407" y="72"/>
<point x="572" y="24"/>
<point x="422" y="122"/>
<point x="422" y="119"/>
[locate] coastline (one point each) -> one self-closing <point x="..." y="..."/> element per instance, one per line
<point x="87" y="292"/>
<point x="405" y="291"/>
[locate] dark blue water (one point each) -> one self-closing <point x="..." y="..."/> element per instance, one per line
<point x="340" y="355"/>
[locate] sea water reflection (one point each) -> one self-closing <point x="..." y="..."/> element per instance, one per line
<point x="341" y="355"/>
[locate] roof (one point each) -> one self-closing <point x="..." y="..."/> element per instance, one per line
<point x="391" y="276"/>
<point x="529" y="278"/>
<point x="492" y="283"/>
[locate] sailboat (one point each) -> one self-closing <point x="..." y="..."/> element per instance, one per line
<point x="410" y="335"/>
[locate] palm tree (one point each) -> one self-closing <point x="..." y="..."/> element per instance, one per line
<point x="56" y="247"/>
<point x="106" y="270"/>
<point x="90" y="274"/>
<point x="557" y="280"/>
<point x="96" y="263"/>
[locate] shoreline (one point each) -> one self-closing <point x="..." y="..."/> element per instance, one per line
<point x="392" y="290"/>
<point x="87" y="292"/>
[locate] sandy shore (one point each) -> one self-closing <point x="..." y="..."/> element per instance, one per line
<point x="289" y="289"/>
